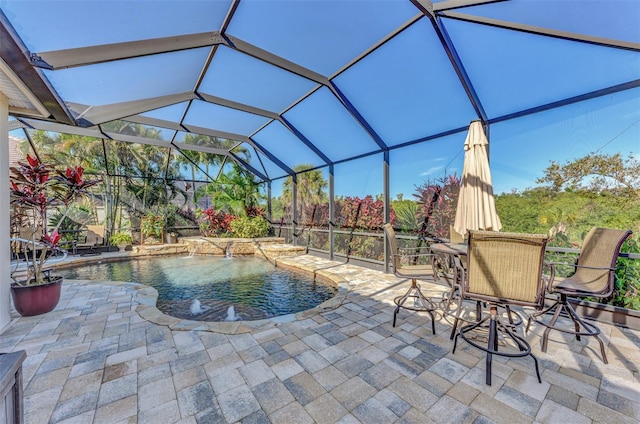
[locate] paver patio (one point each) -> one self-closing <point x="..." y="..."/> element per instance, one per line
<point x="96" y="360"/>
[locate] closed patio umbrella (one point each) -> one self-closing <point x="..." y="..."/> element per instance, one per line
<point x="476" y="205"/>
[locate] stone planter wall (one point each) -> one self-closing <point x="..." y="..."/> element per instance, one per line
<point x="269" y="247"/>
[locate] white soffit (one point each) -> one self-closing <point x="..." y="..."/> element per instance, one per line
<point x="21" y="100"/>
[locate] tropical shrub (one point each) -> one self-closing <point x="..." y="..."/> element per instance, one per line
<point x="439" y="200"/>
<point x="68" y="226"/>
<point x="36" y="189"/>
<point x="407" y="216"/>
<point x="249" y="227"/>
<point x="119" y="238"/>
<point x="254" y="211"/>
<point x="152" y="225"/>
<point x="214" y="223"/>
<point x="627" y="286"/>
<point x="361" y="215"/>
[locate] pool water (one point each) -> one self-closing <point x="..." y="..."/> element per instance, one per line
<point x="254" y="287"/>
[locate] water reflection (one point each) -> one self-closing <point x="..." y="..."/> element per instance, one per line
<point x="251" y="285"/>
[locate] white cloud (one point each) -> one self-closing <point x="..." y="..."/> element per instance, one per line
<point x="432" y="170"/>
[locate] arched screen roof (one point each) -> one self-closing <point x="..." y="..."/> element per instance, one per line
<point x="320" y="82"/>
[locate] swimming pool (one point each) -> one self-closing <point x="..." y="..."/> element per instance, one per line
<point x="254" y="287"/>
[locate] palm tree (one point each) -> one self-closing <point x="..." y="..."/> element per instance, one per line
<point x="311" y="186"/>
<point x="148" y="182"/>
<point x="235" y="191"/>
<point x="196" y="160"/>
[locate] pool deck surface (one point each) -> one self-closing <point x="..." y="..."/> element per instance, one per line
<point x="97" y="359"/>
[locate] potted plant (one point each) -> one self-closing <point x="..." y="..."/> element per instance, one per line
<point x="37" y="189"/>
<point x="121" y="239"/>
<point x="172" y="237"/>
<point x="152" y="228"/>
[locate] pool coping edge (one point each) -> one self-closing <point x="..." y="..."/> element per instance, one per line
<point x="146" y="299"/>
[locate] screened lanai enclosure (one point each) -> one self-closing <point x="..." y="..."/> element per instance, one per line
<point x="330" y="118"/>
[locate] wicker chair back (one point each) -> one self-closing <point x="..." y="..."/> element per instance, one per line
<point x="505" y="268"/>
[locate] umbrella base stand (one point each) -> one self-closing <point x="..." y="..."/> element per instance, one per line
<point x="414" y="300"/>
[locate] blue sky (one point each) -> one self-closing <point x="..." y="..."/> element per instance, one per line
<point x="405" y="90"/>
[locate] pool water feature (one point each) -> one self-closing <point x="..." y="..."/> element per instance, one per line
<point x="250" y="287"/>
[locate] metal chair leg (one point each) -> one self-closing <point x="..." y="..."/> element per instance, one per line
<point x="492" y="348"/>
<point x="560" y="306"/>
<point x="455" y="322"/>
<point x="421" y="303"/>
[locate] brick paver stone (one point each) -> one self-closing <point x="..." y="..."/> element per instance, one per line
<point x="106" y="355"/>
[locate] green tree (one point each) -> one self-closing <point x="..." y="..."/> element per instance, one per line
<point x="597" y="173"/>
<point x="235" y="191"/>
<point x="148" y="178"/>
<point x="407" y="215"/>
<point x="311" y="191"/>
<point x="197" y="161"/>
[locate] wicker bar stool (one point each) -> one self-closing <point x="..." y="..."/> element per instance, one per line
<point x="594" y="276"/>
<point x="503" y="270"/>
<point x="413" y="263"/>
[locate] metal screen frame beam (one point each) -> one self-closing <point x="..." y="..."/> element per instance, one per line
<point x="332" y="212"/>
<point x="38" y="124"/>
<point x="288" y="125"/>
<point x="95" y="115"/>
<point x="248" y="166"/>
<point x="547" y="32"/>
<point x="386" y="205"/>
<point x="426" y="7"/>
<point x="203" y="149"/>
<point x="215" y="133"/>
<point x="135" y="139"/>
<point x="456" y="4"/>
<point x="92" y="55"/>
<point x="271" y="157"/>
<point x="96" y="132"/>
<point x="294" y="207"/>
<point x="377" y="45"/>
<point x="238" y="106"/>
<point x="197" y="165"/>
<point x="357" y="116"/>
<point x="14" y="53"/>
<point x="569" y="101"/>
<point x="275" y="60"/>
<point x="191" y="129"/>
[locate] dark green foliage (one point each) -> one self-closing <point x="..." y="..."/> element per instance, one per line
<point x="627" y="290"/>
<point x="234" y="191"/>
<point x="568" y="216"/>
<point x="536" y="211"/>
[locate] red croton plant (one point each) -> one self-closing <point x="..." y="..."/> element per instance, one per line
<point x="36" y="189"/>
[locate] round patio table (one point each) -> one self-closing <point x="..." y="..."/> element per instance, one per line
<point x="444" y="260"/>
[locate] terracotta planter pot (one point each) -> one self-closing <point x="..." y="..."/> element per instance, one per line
<point x="36" y="300"/>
